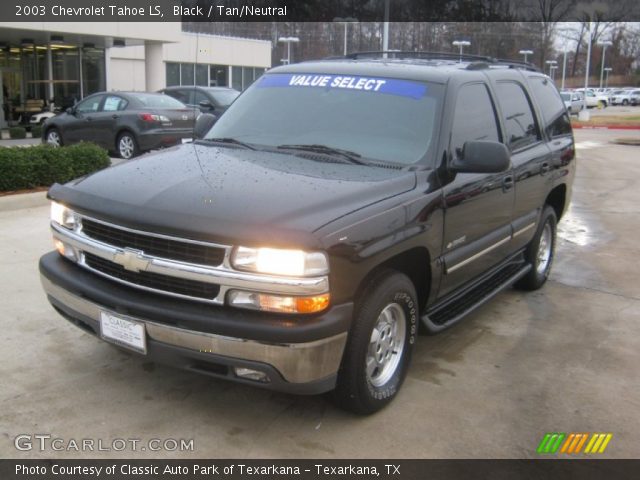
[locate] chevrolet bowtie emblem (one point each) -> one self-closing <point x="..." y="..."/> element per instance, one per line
<point x="132" y="260"/>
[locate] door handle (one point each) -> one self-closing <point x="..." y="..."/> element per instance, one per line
<point x="89" y="119"/>
<point x="545" y="168"/>
<point x="507" y="183"/>
<point x="114" y="116"/>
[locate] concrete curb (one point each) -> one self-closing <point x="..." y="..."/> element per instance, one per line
<point x="23" y="200"/>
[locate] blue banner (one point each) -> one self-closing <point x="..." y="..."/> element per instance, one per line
<point x="390" y="86"/>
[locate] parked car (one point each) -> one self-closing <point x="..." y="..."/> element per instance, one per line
<point x="337" y="204"/>
<point x="574" y="101"/>
<point x="127" y="123"/>
<point x="621" y="97"/>
<point x="207" y="99"/>
<point x="634" y="97"/>
<point x="40" y="118"/>
<point x="594" y="100"/>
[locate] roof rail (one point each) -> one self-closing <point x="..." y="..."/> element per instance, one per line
<point x="476" y="62"/>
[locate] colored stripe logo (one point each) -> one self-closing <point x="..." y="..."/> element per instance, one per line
<point x="573" y="443"/>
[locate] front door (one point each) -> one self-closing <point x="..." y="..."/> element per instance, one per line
<point x="478" y="207"/>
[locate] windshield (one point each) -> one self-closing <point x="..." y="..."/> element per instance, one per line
<point x="378" y="118"/>
<point x="224" y="98"/>
<point x="159" y="101"/>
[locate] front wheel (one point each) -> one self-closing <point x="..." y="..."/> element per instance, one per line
<point x="53" y="137"/>
<point x="127" y="146"/>
<point x="540" y="252"/>
<point x="380" y="343"/>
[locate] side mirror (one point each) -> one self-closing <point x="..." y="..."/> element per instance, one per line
<point x="482" y="157"/>
<point x="71" y="111"/>
<point x="204" y="122"/>
<point x="206" y="104"/>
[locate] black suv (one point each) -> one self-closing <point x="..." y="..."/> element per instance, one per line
<point x="337" y="207"/>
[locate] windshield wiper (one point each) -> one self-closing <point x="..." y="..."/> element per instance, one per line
<point x="352" y="157"/>
<point x="231" y="141"/>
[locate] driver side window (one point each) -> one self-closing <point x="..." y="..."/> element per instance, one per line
<point x="474" y="118"/>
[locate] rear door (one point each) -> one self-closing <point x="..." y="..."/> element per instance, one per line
<point x="478" y="206"/>
<point x="530" y="156"/>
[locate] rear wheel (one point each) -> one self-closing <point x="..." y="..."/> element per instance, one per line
<point x="53" y="137"/>
<point x="625" y="102"/>
<point x="540" y="252"/>
<point x="126" y="146"/>
<point x="380" y="343"/>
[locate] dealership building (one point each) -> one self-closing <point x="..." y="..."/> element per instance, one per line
<point x="61" y="62"/>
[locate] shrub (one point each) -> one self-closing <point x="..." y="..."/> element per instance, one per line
<point x="36" y="131"/>
<point x="17" y="132"/>
<point x="44" y="165"/>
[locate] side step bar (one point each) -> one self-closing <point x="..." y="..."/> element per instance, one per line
<point x="451" y="311"/>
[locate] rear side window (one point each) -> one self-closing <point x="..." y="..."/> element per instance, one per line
<point x="519" y="121"/>
<point x="114" y="104"/>
<point x="474" y="117"/>
<point x="556" y="118"/>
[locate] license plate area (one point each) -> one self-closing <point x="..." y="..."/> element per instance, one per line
<point x="123" y="331"/>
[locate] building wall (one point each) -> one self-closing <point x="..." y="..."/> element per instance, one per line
<point x="125" y="71"/>
<point x="127" y="74"/>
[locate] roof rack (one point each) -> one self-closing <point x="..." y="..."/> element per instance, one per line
<point x="476" y="62"/>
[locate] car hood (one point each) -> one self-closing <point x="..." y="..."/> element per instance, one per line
<point x="231" y="194"/>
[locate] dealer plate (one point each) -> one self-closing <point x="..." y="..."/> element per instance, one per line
<point x="187" y="140"/>
<point x="123" y="331"/>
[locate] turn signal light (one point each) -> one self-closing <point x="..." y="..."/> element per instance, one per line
<point x="277" y="303"/>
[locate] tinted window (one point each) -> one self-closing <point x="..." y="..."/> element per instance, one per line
<point x="519" y="120"/>
<point x="199" y="97"/>
<point x="474" y="117"/>
<point x="90" y="104"/>
<point x="556" y="120"/>
<point x="224" y="98"/>
<point x="181" y="95"/>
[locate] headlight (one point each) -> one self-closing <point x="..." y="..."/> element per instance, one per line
<point x="62" y="215"/>
<point x="296" y="263"/>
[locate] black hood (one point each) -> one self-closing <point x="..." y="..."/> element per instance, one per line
<point x="231" y="194"/>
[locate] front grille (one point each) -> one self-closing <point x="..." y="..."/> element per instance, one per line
<point x="152" y="245"/>
<point x="181" y="286"/>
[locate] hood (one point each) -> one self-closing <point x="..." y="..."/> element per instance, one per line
<point x="231" y="194"/>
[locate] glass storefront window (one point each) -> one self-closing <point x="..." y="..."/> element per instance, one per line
<point x="186" y="74"/>
<point x="66" y="76"/>
<point x="93" y="74"/>
<point x="173" y="74"/>
<point x="218" y="76"/>
<point x="236" y="77"/>
<point x="202" y="74"/>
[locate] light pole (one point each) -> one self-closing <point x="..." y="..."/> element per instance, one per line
<point x="604" y="46"/>
<point x="564" y="65"/>
<point x="385" y="29"/>
<point x="288" y="41"/>
<point x="552" y="64"/>
<point x="584" y="113"/>
<point x="553" y="69"/>
<point x="608" y="70"/>
<point x="461" y="44"/>
<point x="525" y="53"/>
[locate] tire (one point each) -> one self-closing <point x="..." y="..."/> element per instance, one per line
<point x="127" y="146"/>
<point x="625" y="102"/>
<point x="540" y="252"/>
<point x="380" y="343"/>
<point x="53" y="137"/>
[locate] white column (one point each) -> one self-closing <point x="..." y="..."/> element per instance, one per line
<point x="107" y="69"/>
<point x="155" y="75"/>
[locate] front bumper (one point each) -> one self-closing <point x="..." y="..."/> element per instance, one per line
<point x="296" y="356"/>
